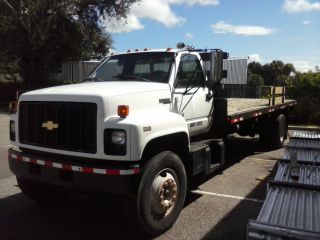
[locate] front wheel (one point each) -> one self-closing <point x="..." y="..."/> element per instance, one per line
<point x="161" y="194"/>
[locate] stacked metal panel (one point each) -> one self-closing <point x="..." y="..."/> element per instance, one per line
<point x="292" y="207"/>
<point x="237" y="70"/>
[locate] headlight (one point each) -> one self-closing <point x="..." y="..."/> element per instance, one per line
<point x="12" y="131"/>
<point x="118" y="137"/>
<point x="115" y="142"/>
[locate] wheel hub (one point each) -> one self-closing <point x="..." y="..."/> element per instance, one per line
<point x="168" y="194"/>
<point x="163" y="194"/>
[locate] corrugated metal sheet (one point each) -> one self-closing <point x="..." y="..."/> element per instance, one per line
<point x="308" y="174"/>
<point x="305" y="134"/>
<point x="77" y="71"/>
<point x="304" y="143"/>
<point x="293" y="208"/>
<point x="259" y="230"/>
<point x="303" y="155"/>
<point x="236" y="70"/>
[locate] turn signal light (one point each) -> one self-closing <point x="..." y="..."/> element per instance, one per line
<point x="123" y="111"/>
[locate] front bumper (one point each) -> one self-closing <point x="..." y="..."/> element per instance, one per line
<point x="73" y="174"/>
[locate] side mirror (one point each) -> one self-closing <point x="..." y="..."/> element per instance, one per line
<point x="216" y="67"/>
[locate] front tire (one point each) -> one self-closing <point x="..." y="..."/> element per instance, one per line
<point x="161" y="194"/>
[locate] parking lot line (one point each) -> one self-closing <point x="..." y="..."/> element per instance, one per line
<point x="227" y="196"/>
<point x="262" y="159"/>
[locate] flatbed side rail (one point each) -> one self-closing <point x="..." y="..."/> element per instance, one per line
<point x="236" y="118"/>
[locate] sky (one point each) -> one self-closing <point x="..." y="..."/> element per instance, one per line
<point x="263" y="30"/>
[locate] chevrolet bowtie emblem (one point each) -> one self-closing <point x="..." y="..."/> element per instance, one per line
<point x="49" y="125"/>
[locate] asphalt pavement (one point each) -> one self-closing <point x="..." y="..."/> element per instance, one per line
<point x="4" y="145"/>
<point x="218" y="207"/>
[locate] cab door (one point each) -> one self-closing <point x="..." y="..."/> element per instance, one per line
<point x="190" y="94"/>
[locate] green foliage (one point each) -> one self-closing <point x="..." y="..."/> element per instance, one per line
<point x="8" y="72"/>
<point x="38" y="35"/>
<point x="308" y="79"/>
<point x="274" y="73"/>
<point x="308" y="108"/>
<point x="303" y="87"/>
<point x="255" y="79"/>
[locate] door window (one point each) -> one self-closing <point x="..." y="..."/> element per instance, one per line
<point x="190" y="72"/>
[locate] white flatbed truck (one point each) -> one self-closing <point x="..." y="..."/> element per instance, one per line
<point x="142" y="125"/>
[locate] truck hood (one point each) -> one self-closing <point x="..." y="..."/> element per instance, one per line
<point x="103" y="89"/>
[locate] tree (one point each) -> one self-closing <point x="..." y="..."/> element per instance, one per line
<point x="38" y="35"/>
<point x="308" y="79"/>
<point x="255" y="68"/>
<point x="274" y="73"/>
<point x="255" y="79"/>
<point x="282" y="80"/>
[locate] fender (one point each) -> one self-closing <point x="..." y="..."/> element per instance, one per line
<point x="144" y="126"/>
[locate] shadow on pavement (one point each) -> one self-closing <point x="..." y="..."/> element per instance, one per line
<point x="80" y="217"/>
<point x="84" y="216"/>
<point x="234" y="225"/>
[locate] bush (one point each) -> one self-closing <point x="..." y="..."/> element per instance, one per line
<point x="308" y="107"/>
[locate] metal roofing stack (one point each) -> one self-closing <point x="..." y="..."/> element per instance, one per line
<point x="292" y="207"/>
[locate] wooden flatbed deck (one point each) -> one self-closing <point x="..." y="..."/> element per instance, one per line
<point x="244" y="108"/>
<point x="240" y="105"/>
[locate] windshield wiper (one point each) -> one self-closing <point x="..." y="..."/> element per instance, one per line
<point x="133" y="77"/>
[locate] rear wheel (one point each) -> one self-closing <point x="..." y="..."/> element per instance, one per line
<point x="280" y="132"/>
<point x="161" y="194"/>
<point x="273" y="132"/>
<point x="40" y="192"/>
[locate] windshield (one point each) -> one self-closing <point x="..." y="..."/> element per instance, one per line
<point x="143" y="66"/>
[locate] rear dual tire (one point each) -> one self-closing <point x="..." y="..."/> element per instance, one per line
<point x="273" y="132"/>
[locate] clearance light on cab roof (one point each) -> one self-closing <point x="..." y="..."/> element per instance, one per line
<point x="169" y="49"/>
<point x="123" y="111"/>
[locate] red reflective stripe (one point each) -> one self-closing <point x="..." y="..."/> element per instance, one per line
<point x="66" y="167"/>
<point x="239" y="119"/>
<point x="235" y="120"/>
<point x="113" y="172"/>
<point x="87" y="170"/>
<point x="48" y="164"/>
